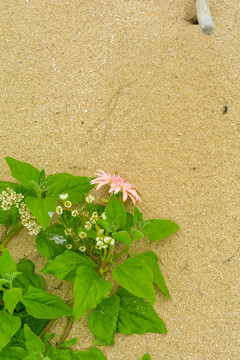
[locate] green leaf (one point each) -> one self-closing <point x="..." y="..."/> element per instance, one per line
<point x="65" y="266"/>
<point x="129" y="222"/>
<point x="3" y="282"/>
<point x="42" y="305"/>
<point x="11" y="297"/>
<point x="36" y="325"/>
<point x="33" y="356"/>
<point x="136" y="234"/>
<point x="151" y="259"/>
<point x="33" y="342"/>
<point x="41" y="209"/>
<point x="137" y="316"/>
<point x="137" y="218"/>
<point x="75" y="186"/>
<point x="56" y="354"/>
<point x="156" y="229"/>
<point x="52" y="241"/>
<point x="13" y="353"/>
<point x="146" y="357"/>
<point x="102" y="321"/>
<point x="89" y="290"/>
<point x="91" y="354"/>
<point x="9" y="325"/>
<point x="27" y="276"/>
<point x="104" y="224"/>
<point x="122" y="236"/>
<point x="68" y="343"/>
<point x="116" y="214"/>
<point x="23" y="172"/>
<point x="135" y="277"/>
<point x="7" y="264"/>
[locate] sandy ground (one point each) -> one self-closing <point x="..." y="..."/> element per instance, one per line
<point x="133" y="87"/>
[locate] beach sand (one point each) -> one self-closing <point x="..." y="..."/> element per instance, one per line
<point x="133" y="87"/>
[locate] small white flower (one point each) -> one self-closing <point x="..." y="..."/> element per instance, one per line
<point x="69" y="231"/>
<point x="112" y="242"/>
<point x="63" y="196"/>
<point x="105" y="246"/>
<point x="98" y="246"/>
<point x="101" y="231"/>
<point x="104" y="216"/>
<point x="100" y="243"/>
<point x="74" y="213"/>
<point x="107" y="239"/>
<point x="89" y="198"/>
<point x="59" y="210"/>
<point x="82" y="248"/>
<point x="69" y="246"/>
<point x="67" y="204"/>
<point x="82" y="234"/>
<point x="87" y="225"/>
<point x="95" y="214"/>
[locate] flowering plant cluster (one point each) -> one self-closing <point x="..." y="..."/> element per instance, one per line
<point x="82" y="240"/>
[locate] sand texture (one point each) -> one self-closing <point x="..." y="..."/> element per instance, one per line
<point x="133" y="86"/>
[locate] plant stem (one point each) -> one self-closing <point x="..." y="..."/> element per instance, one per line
<point x="121" y="252"/>
<point x="108" y="257"/>
<point x="10" y="235"/>
<point x="65" y="332"/>
<point x="47" y="327"/>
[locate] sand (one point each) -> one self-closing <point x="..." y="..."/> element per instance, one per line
<point x="134" y="87"/>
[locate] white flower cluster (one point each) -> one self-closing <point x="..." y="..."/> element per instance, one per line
<point x="9" y="198"/>
<point x="89" y="198"/>
<point x="102" y="241"/>
<point x="28" y="220"/>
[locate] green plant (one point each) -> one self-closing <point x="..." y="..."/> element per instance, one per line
<point x="84" y="243"/>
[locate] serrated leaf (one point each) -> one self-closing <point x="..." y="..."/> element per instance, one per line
<point x="9" y="325"/>
<point x="33" y="343"/>
<point x="64" y="266"/>
<point x="7" y="264"/>
<point x="156" y="229"/>
<point x="52" y="241"/>
<point x="41" y="208"/>
<point x="136" y="234"/>
<point x="102" y="321"/>
<point x="27" y="276"/>
<point x="13" y="353"/>
<point x="135" y="277"/>
<point x="122" y="236"/>
<point x="89" y="290"/>
<point x="75" y="186"/>
<point x="91" y="354"/>
<point x="116" y="214"/>
<point x="137" y="218"/>
<point x="23" y="172"/>
<point x="42" y="305"/>
<point x="146" y="357"/>
<point x="11" y="297"/>
<point x="151" y="259"/>
<point x="137" y="316"/>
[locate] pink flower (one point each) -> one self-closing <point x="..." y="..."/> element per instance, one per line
<point x="116" y="184"/>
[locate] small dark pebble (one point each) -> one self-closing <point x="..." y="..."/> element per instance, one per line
<point x="225" y="109"/>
